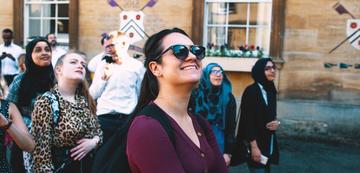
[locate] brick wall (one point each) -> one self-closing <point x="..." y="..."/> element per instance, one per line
<point x="6" y="15"/>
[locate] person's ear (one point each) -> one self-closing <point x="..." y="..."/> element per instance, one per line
<point x="57" y="70"/>
<point x="155" y="68"/>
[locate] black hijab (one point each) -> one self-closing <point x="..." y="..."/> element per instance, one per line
<point x="36" y="79"/>
<point x="258" y="74"/>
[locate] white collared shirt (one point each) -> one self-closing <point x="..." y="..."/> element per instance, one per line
<point x="56" y="53"/>
<point x="8" y="66"/>
<point x="263" y="92"/>
<point x="119" y="94"/>
<point x="95" y="61"/>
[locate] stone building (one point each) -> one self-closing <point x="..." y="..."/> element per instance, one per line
<point x="319" y="91"/>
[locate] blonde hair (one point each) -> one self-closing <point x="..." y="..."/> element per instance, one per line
<point x="4" y="89"/>
<point x="83" y="88"/>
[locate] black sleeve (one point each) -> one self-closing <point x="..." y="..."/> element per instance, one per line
<point x="230" y="125"/>
<point x="247" y="129"/>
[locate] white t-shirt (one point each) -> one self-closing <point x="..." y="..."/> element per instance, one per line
<point x="9" y="66"/>
<point x="95" y="61"/>
<point x="57" y="52"/>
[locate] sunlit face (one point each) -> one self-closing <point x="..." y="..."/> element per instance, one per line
<point x="110" y="47"/>
<point x="41" y="54"/>
<point x="270" y="71"/>
<point x="177" y="71"/>
<point x="72" y="67"/>
<point x="216" y="76"/>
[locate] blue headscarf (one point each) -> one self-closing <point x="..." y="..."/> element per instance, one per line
<point x="211" y="101"/>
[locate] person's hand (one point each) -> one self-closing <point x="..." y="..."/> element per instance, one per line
<point x="83" y="148"/>
<point x="255" y="154"/>
<point x="227" y="159"/>
<point x="107" y="72"/>
<point x="273" y="125"/>
<point x="3" y="120"/>
<point x="3" y="55"/>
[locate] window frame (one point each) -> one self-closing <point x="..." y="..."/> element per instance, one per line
<point x="18" y="9"/>
<point x="277" y="24"/>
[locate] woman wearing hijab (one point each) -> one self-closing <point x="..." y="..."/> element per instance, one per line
<point x="215" y="102"/>
<point x="258" y="121"/>
<point x="37" y="79"/>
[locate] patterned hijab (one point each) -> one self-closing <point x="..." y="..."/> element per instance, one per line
<point x="211" y="101"/>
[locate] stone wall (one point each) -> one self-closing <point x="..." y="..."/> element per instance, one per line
<point x="312" y="29"/>
<point x="97" y="17"/>
<point x="6" y="15"/>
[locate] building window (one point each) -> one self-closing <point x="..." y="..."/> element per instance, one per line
<point x="46" y="16"/>
<point x="238" y="24"/>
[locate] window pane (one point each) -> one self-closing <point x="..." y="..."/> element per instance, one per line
<point x="238" y="13"/>
<point x="49" y="10"/>
<point x="63" y="26"/>
<point x="34" y="10"/>
<point x="48" y="26"/>
<point x="34" y="28"/>
<point x="63" y="10"/>
<point x="217" y="13"/>
<point x="259" y="13"/>
<point x="236" y="37"/>
<point x="259" y="37"/>
<point x="216" y="36"/>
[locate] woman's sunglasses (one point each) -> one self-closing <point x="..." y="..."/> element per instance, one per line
<point x="181" y="52"/>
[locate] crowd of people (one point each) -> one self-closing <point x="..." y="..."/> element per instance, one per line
<point x="176" y="115"/>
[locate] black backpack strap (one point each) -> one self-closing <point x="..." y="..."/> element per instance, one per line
<point x="55" y="105"/>
<point x="5" y="108"/>
<point x="153" y="111"/>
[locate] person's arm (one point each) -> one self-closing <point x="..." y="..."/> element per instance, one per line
<point x="90" y="141"/>
<point x="149" y="148"/>
<point x="17" y="129"/>
<point x="98" y="85"/>
<point x="230" y="128"/>
<point x="248" y="116"/>
<point x="43" y="135"/>
<point x="14" y="89"/>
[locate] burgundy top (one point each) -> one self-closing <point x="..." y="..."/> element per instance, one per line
<point x="150" y="150"/>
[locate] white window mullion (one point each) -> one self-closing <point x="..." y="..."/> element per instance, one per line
<point x="205" y="27"/>
<point x="227" y="22"/>
<point x="247" y="24"/>
<point x="41" y="19"/>
<point x="56" y="18"/>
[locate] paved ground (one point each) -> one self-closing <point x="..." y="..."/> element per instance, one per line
<point x="307" y="156"/>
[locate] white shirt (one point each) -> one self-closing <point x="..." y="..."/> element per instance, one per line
<point x="95" y="61"/>
<point x="57" y="52"/>
<point x="8" y="66"/>
<point x="120" y="93"/>
<point x="264" y="94"/>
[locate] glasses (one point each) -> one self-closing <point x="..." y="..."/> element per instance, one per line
<point x="181" y="52"/>
<point x="216" y="72"/>
<point x="267" y="68"/>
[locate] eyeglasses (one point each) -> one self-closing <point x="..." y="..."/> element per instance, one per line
<point x="270" y="67"/>
<point x="216" y="72"/>
<point x="181" y="52"/>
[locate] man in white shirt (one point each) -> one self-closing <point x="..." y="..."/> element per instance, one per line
<point x="116" y="84"/>
<point x="57" y="52"/>
<point x="9" y="53"/>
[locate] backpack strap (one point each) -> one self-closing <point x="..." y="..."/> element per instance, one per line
<point x="153" y="111"/>
<point x="55" y="105"/>
<point x="5" y="108"/>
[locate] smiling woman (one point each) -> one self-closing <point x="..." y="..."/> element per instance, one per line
<point x="173" y="68"/>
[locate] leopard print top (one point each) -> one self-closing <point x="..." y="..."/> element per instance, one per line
<point x="75" y="122"/>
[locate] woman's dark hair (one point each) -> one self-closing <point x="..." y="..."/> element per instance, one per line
<point x="37" y="79"/>
<point x="153" y="48"/>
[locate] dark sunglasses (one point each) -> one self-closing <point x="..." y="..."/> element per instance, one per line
<point x="181" y="52"/>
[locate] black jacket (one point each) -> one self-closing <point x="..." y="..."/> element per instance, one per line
<point x="254" y="115"/>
